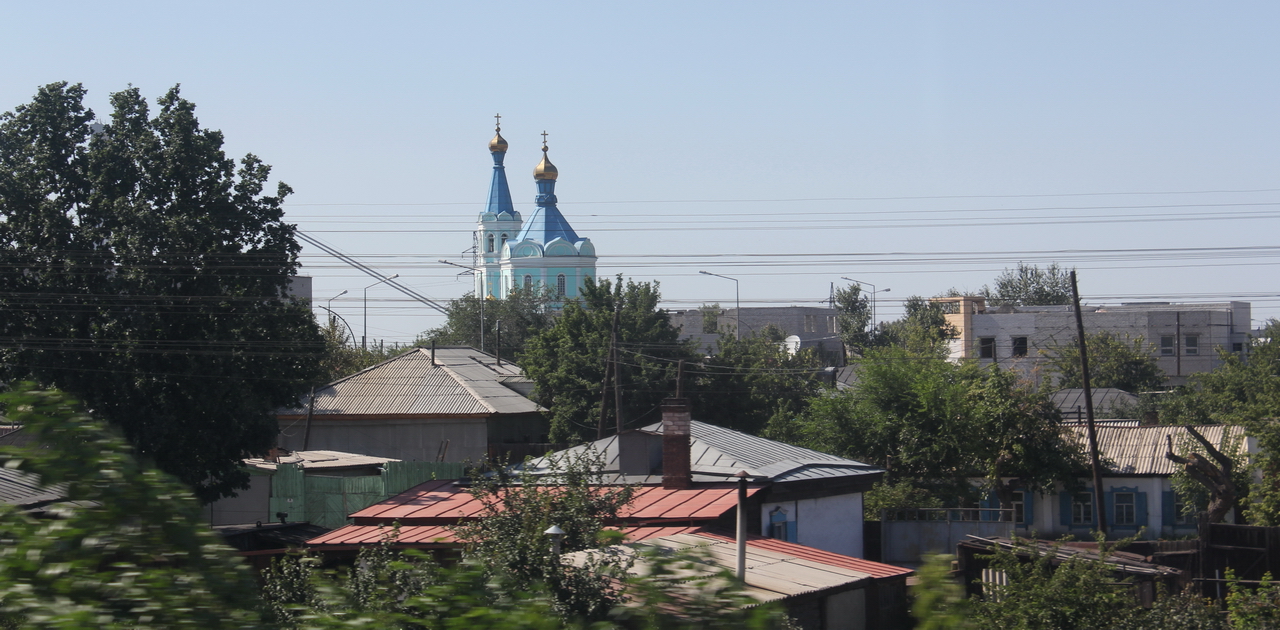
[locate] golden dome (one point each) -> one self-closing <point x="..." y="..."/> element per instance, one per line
<point x="498" y="144"/>
<point x="545" y="169"/>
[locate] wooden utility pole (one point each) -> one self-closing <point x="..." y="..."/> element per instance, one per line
<point x="617" y="375"/>
<point x="1099" y="510"/>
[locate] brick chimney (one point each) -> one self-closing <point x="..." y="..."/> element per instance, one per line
<point x="676" y="474"/>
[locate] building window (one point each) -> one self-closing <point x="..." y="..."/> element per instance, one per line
<point x="528" y="283"/>
<point x="1126" y="514"/>
<point x="561" y="287"/>
<point x="780" y="526"/>
<point x="1019" y="508"/>
<point x="986" y="347"/>
<point x="831" y="324"/>
<point x="504" y="240"/>
<point x="1082" y="508"/>
<point x="808" y="323"/>
<point x="1166" y="345"/>
<point x="1019" y="346"/>
<point x="1237" y="347"/>
<point x="1191" y="345"/>
<point x="490" y="250"/>
<point x="1180" y="514"/>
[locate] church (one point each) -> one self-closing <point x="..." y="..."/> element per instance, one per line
<point x="542" y="251"/>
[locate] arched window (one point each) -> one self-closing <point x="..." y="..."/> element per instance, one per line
<point x="528" y="283"/>
<point x="560" y="286"/>
<point x="504" y="240"/>
<point x="490" y="250"/>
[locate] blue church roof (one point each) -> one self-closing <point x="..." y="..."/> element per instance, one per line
<point x="546" y="225"/>
<point x="499" y="193"/>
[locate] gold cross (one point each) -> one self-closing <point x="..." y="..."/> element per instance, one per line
<point x="544" y="140"/>
<point x="497" y="122"/>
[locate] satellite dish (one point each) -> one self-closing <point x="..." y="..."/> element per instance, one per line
<point x="792" y="344"/>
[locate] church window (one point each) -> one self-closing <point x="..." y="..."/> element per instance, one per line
<point x="504" y="240"/>
<point x="490" y="250"/>
<point x="528" y="283"/>
<point x="561" y="287"/>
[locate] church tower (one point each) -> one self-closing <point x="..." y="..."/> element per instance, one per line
<point x="497" y="224"/>
<point x="546" y="252"/>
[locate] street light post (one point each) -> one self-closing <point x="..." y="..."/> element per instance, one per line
<point x="364" y="338"/>
<point x="330" y="307"/>
<point x="737" y="304"/>
<point x="482" y="298"/>
<point x="873" y="297"/>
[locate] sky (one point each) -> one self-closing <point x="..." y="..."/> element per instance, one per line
<point x="912" y="146"/>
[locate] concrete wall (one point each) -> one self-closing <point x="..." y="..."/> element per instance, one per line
<point x="412" y="440"/>
<point x="249" y="506"/>
<point x="830" y="523"/>
<point x="903" y="543"/>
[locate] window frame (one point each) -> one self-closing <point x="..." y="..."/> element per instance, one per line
<point x="1126" y="514"/>
<point x="1082" y="510"/>
<point x="562" y="286"/>
<point x="1168" y="345"/>
<point x="986" y="347"/>
<point x="1020" y="346"/>
<point x="1191" y="345"/>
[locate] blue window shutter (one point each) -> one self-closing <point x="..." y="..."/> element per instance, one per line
<point x="1140" y="506"/>
<point x="1064" y="504"/>
<point x="791" y="531"/>
<point x="986" y="504"/>
<point x="1111" y="507"/>
<point x="1168" y="500"/>
<point x="1028" y="503"/>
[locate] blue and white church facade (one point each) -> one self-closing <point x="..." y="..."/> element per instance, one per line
<point x="543" y="251"/>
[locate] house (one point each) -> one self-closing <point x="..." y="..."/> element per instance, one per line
<point x="1139" y="498"/>
<point x="318" y="487"/>
<point x="447" y="404"/>
<point x="685" y="473"/>
<point x="1185" y="338"/>
<point x="1107" y="402"/>
<point x="818" y="589"/>
<point x="811" y="326"/>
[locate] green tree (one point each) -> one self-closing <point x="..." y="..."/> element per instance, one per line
<point x="1126" y="364"/>
<point x="752" y="381"/>
<point x="1029" y="285"/>
<point x="923" y="329"/>
<point x="567" y="361"/>
<point x="343" y="359"/>
<point x="507" y="536"/>
<point x="148" y="275"/>
<point x="853" y="318"/>
<point x="711" y="318"/>
<point x="938" y="424"/>
<point x="130" y="548"/>
<point x="1241" y="391"/>
<point x="523" y="314"/>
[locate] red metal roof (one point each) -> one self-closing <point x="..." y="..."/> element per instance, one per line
<point x="361" y="535"/>
<point x="441" y="502"/>
<point x="874" y="569"/>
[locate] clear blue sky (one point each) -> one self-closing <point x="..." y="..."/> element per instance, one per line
<point x="916" y="146"/>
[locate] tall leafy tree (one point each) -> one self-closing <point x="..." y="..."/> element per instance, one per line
<point x="751" y="382"/>
<point x="147" y="274"/>
<point x="1126" y="364"/>
<point x="522" y="314"/>
<point x="567" y="361"/>
<point x="853" y="317"/>
<point x="923" y="328"/>
<point x="1029" y="285"/>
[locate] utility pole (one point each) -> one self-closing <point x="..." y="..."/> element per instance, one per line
<point x="1099" y="510"/>
<point x="617" y="376"/>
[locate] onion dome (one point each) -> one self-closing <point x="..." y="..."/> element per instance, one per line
<point x="498" y="144"/>
<point x="545" y="169"/>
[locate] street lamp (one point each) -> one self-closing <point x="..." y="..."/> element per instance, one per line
<point x="330" y="307"/>
<point x="483" y="282"/>
<point x="873" y="297"/>
<point x="556" y="534"/>
<point x="364" y="338"/>
<point x="737" y="304"/>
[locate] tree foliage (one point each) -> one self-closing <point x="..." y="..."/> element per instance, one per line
<point x="939" y="423"/>
<point x="1126" y="364"/>
<point x="923" y="328"/>
<point x="1029" y="285"/>
<point x="522" y="314"/>
<point x="567" y="361"/>
<point x="129" y="549"/>
<point x="752" y="381"/>
<point x="1241" y="391"/>
<point x="853" y="318"/>
<point x="147" y="274"/>
<point x="343" y="359"/>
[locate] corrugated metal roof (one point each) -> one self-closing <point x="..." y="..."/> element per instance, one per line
<point x="441" y="502"/>
<point x="23" y="489"/>
<point x="1140" y="450"/>
<point x="775" y="570"/>
<point x="461" y="381"/>
<point x="720" y="453"/>
<point x="317" y="460"/>
<point x="1069" y="401"/>
<point x="443" y="535"/>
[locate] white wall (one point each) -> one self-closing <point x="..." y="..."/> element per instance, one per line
<point x="830" y="523"/>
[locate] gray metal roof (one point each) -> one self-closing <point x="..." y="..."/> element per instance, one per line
<point x="320" y="460"/>
<point x="24" y="490"/>
<point x="1104" y="399"/>
<point x="1140" y="450"/>
<point x="717" y="453"/>
<point x="460" y="381"/>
